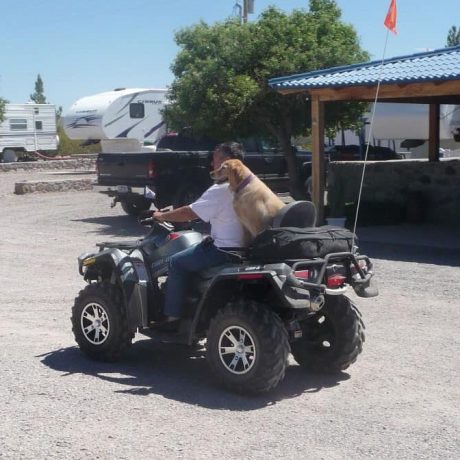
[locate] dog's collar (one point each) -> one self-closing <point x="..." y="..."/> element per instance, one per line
<point x="244" y="182"/>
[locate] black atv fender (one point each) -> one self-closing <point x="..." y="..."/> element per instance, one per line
<point x="238" y="275"/>
<point x="132" y="276"/>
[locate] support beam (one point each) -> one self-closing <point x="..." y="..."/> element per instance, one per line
<point x="317" y="172"/>
<point x="433" y="141"/>
<point x="409" y="91"/>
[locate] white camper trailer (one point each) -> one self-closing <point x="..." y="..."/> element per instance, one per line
<point x="27" y="128"/>
<point x="454" y="122"/>
<point x="124" y="120"/>
<point x="404" y="127"/>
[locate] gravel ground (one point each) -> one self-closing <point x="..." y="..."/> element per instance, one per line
<point x="399" y="400"/>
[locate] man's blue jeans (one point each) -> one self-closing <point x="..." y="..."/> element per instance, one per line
<point x="181" y="265"/>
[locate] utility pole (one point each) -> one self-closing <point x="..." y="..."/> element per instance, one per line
<point x="245" y="11"/>
<point x="248" y="8"/>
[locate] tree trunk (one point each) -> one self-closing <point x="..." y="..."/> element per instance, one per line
<point x="295" y="185"/>
<point x="283" y="134"/>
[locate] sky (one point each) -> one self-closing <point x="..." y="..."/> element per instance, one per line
<point x="83" y="47"/>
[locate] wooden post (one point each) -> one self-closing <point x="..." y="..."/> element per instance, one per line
<point x="317" y="166"/>
<point x="433" y="141"/>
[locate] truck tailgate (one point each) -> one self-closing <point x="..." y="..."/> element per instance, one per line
<point x="124" y="168"/>
<point x="139" y="169"/>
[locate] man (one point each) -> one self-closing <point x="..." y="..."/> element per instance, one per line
<point x="216" y="207"/>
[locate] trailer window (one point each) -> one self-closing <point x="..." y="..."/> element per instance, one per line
<point x="18" y="124"/>
<point x="136" y="110"/>
<point x="39" y="125"/>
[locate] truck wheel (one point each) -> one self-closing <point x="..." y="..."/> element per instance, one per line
<point x="308" y="189"/>
<point x="247" y="347"/>
<point x="134" y="207"/>
<point x="332" y="338"/>
<point x="99" y="322"/>
<point x="9" y="156"/>
<point x="186" y="195"/>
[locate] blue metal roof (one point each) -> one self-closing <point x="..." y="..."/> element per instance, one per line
<point x="438" y="65"/>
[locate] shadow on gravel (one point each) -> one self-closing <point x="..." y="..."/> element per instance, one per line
<point x="181" y="373"/>
<point x="409" y="253"/>
<point x="85" y="172"/>
<point x="128" y="226"/>
<point x="115" y="226"/>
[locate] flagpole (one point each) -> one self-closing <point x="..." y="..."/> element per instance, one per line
<point x="369" y="134"/>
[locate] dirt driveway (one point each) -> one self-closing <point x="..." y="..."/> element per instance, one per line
<point x="400" y="400"/>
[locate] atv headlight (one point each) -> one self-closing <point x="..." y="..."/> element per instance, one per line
<point x="89" y="261"/>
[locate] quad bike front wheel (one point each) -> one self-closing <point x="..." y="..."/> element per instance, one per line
<point x="331" y="339"/>
<point x="99" y="322"/>
<point x="247" y="347"/>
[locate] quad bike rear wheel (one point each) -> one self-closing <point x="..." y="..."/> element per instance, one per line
<point x="247" y="347"/>
<point x="99" y="322"/>
<point x="331" y="339"/>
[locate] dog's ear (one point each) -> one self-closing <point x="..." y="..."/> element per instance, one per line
<point x="232" y="174"/>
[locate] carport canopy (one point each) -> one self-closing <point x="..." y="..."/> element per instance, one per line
<point x="431" y="78"/>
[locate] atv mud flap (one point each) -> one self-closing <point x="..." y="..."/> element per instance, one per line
<point x="299" y="296"/>
<point x="369" y="288"/>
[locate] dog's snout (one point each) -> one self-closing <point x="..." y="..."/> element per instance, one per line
<point x="218" y="173"/>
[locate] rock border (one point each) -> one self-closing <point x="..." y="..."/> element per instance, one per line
<point x="21" y="188"/>
<point x="77" y="163"/>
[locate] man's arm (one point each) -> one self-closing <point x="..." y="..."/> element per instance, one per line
<point x="182" y="214"/>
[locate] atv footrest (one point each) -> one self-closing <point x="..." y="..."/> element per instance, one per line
<point x="119" y="244"/>
<point x="166" y="337"/>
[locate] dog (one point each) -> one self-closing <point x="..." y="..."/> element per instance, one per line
<point x="254" y="203"/>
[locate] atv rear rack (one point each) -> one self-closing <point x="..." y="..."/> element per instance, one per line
<point x="360" y="278"/>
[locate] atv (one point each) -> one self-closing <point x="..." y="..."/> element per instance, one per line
<point x="252" y="311"/>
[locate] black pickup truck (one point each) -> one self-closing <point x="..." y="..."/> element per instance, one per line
<point x="178" y="172"/>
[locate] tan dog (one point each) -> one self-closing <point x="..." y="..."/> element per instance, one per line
<point x="254" y="203"/>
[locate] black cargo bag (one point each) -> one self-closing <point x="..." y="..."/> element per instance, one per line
<point x="277" y="244"/>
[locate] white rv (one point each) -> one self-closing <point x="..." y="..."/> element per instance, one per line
<point x="454" y="122"/>
<point x="124" y="120"/>
<point x="27" y="128"/>
<point x="404" y="127"/>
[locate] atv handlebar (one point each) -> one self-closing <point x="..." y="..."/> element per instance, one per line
<point x="149" y="222"/>
<point x="152" y="222"/>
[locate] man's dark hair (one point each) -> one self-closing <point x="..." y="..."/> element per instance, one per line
<point x="232" y="150"/>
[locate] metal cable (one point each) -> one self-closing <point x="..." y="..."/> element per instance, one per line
<point x="369" y="137"/>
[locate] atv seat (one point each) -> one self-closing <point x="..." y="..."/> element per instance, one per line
<point x="300" y="214"/>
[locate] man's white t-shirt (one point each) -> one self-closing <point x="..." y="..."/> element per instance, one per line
<point x="216" y="207"/>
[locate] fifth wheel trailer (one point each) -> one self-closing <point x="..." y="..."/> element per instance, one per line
<point x="404" y="128"/>
<point x="27" y="128"/>
<point x="124" y="120"/>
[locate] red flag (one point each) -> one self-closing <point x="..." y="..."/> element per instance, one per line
<point x="390" y="20"/>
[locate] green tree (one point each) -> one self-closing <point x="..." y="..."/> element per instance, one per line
<point x="453" y="37"/>
<point x="69" y="146"/>
<point x="221" y="74"/>
<point x="2" y="108"/>
<point x="74" y="147"/>
<point x="39" y="95"/>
